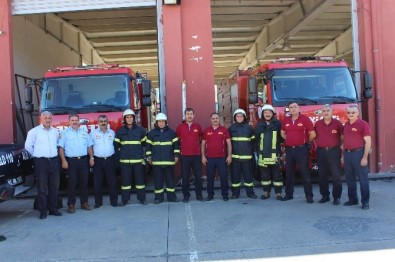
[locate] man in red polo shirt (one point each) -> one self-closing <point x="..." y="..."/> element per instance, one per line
<point x="329" y="138"/>
<point x="216" y="154"/>
<point x="297" y="131"/>
<point x="190" y="134"/>
<point x="357" y="145"/>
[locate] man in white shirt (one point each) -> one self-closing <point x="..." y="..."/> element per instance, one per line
<point x="42" y="144"/>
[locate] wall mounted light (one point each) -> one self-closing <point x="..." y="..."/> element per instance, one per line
<point x="171" y="2"/>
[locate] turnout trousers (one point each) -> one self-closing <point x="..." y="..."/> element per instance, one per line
<point x="271" y="175"/>
<point x="129" y="171"/>
<point x="242" y="167"/>
<point x="164" y="174"/>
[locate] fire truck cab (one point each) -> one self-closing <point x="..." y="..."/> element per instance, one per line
<point x="92" y="90"/>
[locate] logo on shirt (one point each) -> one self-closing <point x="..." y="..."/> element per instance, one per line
<point x="334" y="131"/>
<point x="195" y="130"/>
<point x="97" y="136"/>
<point x="300" y="124"/>
<point x="209" y="133"/>
<point x="220" y="133"/>
<point x="354" y="129"/>
<point x="287" y="125"/>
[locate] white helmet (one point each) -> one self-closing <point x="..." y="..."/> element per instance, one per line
<point x="268" y="107"/>
<point x="128" y="112"/>
<point x="161" y="116"/>
<point x="239" y="111"/>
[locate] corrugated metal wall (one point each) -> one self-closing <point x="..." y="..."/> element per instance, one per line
<point x="23" y="7"/>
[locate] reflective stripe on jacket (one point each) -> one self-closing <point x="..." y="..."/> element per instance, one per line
<point x="242" y="138"/>
<point x="130" y="143"/>
<point x="162" y="146"/>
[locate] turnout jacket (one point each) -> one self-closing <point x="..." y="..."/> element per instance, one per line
<point x="130" y="143"/>
<point x="162" y="146"/>
<point x="242" y="137"/>
<point x="268" y="141"/>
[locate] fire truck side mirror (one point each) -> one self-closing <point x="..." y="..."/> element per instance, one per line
<point x="146" y="87"/>
<point x="252" y="85"/>
<point x="368" y="92"/>
<point x="29" y="107"/>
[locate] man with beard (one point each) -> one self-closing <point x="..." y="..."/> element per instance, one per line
<point x="268" y="141"/>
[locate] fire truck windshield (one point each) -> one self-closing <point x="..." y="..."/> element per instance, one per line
<point x="84" y="94"/>
<point x="312" y="86"/>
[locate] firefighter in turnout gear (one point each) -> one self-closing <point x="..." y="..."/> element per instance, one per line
<point x="129" y="143"/>
<point x="162" y="153"/>
<point x="268" y="140"/>
<point x="242" y="138"/>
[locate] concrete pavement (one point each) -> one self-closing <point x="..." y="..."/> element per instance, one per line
<point x="243" y="229"/>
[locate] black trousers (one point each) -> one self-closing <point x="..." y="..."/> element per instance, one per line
<point x="104" y="168"/>
<point x="194" y="163"/>
<point x="129" y="171"/>
<point x="271" y="175"/>
<point x="298" y="156"/>
<point x="242" y="167"/>
<point x="47" y="171"/>
<point x="78" y="172"/>
<point x="164" y="174"/>
<point x="328" y="161"/>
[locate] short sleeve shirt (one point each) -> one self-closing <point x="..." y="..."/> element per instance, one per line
<point x="189" y="136"/>
<point x="328" y="135"/>
<point x="354" y="134"/>
<point x="103" y="143"/>
<point x="298" y="130"/>
<point x="75" y="142"/>
<point x="216" y="141"/>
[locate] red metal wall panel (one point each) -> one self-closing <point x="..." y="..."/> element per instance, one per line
<point x="189" y="56"/>
<point x="7" y="97"/>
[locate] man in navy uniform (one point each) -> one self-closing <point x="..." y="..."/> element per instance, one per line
<point x="42" y="144"/>
<point x="76" y="154"/>
<point x="104" y="162"/>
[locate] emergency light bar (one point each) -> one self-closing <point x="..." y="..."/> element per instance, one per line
<point x="304" y="59"/>
<point x="86" y="67"/>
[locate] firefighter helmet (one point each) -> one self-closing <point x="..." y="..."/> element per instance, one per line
<point x="161" y="116"/>
<point x="128" y="112"/>
<point x="268" y="107"/>
<point x="239" y="111"/>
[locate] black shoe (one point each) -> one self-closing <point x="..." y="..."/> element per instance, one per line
<point x="234" y="197"/>
<point x="266" y="195"/>
<point x="365" y="206"/>
<point x="336" y="201"/>
<point x="186" y="199"/>
<point x="225" y="198"/>
<point x="286" y="198"/>
<point x="43" y="215"/>
<point x="350" y="203"/>
<point x="158" y="201"/>
<point x="253" y="196"/>
<point x="309" y="200"/>
<point x="97" y="205"/>
<point x="114" y="204"/>
<point x="142" y="202"/>
<point x="324" y="199"/>
<point x="200" y="198"/>
<point x="209" y="198"/>
<point x="55" y="213"/>
<point x="279" y="197"/>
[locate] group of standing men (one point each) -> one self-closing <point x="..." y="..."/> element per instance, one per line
<point x="215" y="148"/>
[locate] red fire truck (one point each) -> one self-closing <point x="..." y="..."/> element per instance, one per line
<point x="92" y="90"/>
<point x="311" y="81"/>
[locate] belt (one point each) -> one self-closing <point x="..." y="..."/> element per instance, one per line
<point x="296" y="146"/>
<point x="104" y="158"/>
<point x="327" y="148"/>
<point x="354" y="149"/>
<point x="48" y="158"/>
<point x="77" y="157"/>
